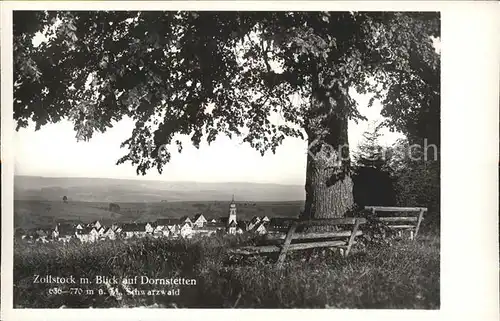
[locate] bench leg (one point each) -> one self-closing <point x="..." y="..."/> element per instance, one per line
<point x="420" y="217"/>
<point x="286" y="244"/>
<point x="352" y="237"/>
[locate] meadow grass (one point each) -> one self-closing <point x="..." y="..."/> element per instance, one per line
<point x="402" y="275"/>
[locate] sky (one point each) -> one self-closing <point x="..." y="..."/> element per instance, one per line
<point x="53" y="151"/>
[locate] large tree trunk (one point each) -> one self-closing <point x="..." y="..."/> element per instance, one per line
<point x="329" y="187"/>
<point x="328" y="182"/>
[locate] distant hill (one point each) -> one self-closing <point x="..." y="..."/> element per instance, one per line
<point x="128" y="190"/>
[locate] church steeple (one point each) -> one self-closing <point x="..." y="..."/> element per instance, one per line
<point x="232" y="212"/>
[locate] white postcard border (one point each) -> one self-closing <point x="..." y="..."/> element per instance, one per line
<point x="469" y="185"/>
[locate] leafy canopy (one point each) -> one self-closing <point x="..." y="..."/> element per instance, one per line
<point x="370" y="153"/>
<point x="204" y="74"/>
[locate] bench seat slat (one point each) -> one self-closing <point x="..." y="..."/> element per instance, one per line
<point x="331" y="221"/>
<point x="395" y="209"/>
<point x="312" y="235"/>
<point x="292" y="247"/>
<point x="402" y="226"/>
<point x="398" y="219"/>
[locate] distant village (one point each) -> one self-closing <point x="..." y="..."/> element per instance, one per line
<point x="184" y="227"/>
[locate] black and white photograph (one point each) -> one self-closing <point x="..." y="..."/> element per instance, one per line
<point x="226" y="159"/>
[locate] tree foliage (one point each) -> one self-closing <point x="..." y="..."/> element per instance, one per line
<point x="373" y="179"/>
<point x="416" y="178"/>
<point x="417" y="85"/>
<point x="204" y="74"/>
<point x="370" y="153"/>
<point x="113" y="207"/>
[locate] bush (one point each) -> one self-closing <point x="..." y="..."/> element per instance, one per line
<point x="417" y="182"/>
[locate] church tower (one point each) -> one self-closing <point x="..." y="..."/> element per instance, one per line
<point x="232" y="212"/>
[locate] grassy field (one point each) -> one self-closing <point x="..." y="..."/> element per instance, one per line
<point x="29" y="214"/>
<point x="401" y="275"/>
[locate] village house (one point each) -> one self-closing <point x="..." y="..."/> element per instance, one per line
<point x="186" y="229"/>
<point x="66" y="238"/>
<point x="27" y="237"/>
<point x="165" y="228"/>
<point x="158" y="229"/>
<point x="259" y="228"/>
<point x="134" y="229"/>
<point x="265" y="219"/>
<point x="253" y="222"/>
<point x="101" y="230"/>
<point x="43" y="234"/>
<point x="166" y="232"/>
<point x="173" y="230"/>
<point x="185" y="219"/>
<point x="42" y="239"/>
<point x="211" y="228"/>
<point x="167" y="223"/>
<point x="149" y="228"/>
<point x="116" y="228"/>
<point x="64" y="232"/>
<point x="175" y="227"/>
<point x="88" y="234"/>
<point x="95" y="224"/>
<point x="231" y="228"/>
<point x="199" y="220"/>
<point x="241" y="227"/>
<point x="32" y="236"/>
<point x="109" y="233"/>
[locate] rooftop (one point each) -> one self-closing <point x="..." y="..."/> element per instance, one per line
<point x="134" y="227"/>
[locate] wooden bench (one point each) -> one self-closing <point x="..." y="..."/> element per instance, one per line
<point x="401" y="223"/>
<point x="341" y="238"/>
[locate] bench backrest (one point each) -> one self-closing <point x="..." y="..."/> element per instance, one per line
<point x="313" y="239"/>
<point x="401" y="222"/>
<point x="320" y="222"/>
<point x="343" y="238"/>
